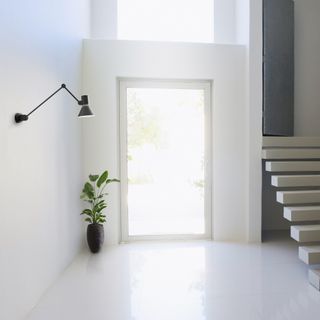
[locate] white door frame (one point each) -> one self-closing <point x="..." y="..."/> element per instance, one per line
<point x="123" y="85"/>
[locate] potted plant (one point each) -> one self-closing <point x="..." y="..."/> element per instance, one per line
<point x="93" y="193"/>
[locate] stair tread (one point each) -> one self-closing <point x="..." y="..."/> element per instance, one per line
<point x="299" y="192"/>
<point x="292" y="166"/>
<point x="306" y="228"/>
<point x="305" y="233"/>
<point x="291" y="153"/>
<point x="306" y="213"/>
<point x="296" y="141"/>
<point x="304" y="208"/>
<point x="310" y="249"/>
<point x="295" y="162"/>
<point x="298" y="197"/>
<point x="298" y="176"/>
<point x="295" y="180"/>
<point x="310" y="254"/>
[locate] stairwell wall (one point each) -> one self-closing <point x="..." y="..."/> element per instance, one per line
<point x="105" y="60"/>
<point x="40" y="160"/>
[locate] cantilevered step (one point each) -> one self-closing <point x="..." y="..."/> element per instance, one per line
<point x="293" y="142"/>
<point x="310" y="254"/>
<point x="291" y="166"/>
<point x="291" y="153"/>
<point x="314" y="278"/>
<point x="296" y="181"/>
<point x="307" y="233"/>
<point x="307" y="213"/>
<point x="296" y="197"/>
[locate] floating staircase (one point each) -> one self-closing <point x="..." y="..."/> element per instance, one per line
<point x="294" y="164"/>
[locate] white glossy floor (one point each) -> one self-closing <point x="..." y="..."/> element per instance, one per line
<point x="184" y="281"/>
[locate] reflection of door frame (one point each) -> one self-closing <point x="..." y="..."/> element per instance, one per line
<point x="206" y="85"/>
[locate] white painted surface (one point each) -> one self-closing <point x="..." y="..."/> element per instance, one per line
<point x="296" y="181"/>
<point x="291" y="153"/>
<point x="306" y="233"/>
<point x="254" y="123"/>
<point x="242" y="9"/>
<point x="104" y="19"/>
<point x="303" y="196"/>
<point x="40" y="163"/>
<point x="107" y="60"/>
<point x="225" y="21"/>
<point x="184" y="281"/>
<point x="307" y="68"/>
<point x="298" y="166"/>
<point x="305" y="213"/>
<point x="310" y="254"/>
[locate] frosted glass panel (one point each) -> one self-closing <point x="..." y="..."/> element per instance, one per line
<point x="166" y="20"/>
<point x="165" y="161"/>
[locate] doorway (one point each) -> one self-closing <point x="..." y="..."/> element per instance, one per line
<point x="165" y="159"/>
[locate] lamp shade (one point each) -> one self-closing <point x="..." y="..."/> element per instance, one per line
<point x="85" y="111"/>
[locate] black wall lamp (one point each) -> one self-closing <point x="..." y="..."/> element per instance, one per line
<point x="85" y="111"/>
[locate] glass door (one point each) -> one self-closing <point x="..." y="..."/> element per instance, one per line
<point x="165" y="151"/>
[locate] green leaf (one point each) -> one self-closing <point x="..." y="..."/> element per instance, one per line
<point x="88" y="190"/>
<point x="100" y="202"/>
<point x="102" y="178"/>
<point x="102" y="195"/>
<point x="88" y="212"/>
<point x="88" y="220"/>
<point x="93" y="177"/>
<point x="101" y="220"/>
<point x="88" y="187"/>
<point x="99" y="206"/>
<point x="112" y="180"/>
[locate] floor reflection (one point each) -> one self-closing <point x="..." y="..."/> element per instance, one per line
<point x="199" y="280"/>
<point x="168" y="283"/>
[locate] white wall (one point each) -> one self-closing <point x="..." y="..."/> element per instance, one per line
<point x="40" y="162"/>
<point x="249" y="33"/>
<point x="307" y="68"/>
<point x="225" y="21"/>
<point x="104" y="19"/>
<point x="105" y="60"/>
<point x="254" y="69"/>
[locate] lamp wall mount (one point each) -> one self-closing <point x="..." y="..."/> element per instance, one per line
<point x="83" y="102"/>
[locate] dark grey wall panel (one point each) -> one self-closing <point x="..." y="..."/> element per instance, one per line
<point x="278" y="67"/>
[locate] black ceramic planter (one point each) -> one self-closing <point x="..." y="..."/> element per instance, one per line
<point x="95" y="237"/>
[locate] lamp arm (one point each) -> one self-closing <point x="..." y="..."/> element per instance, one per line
<point x="63" y="86"/>
<point x="23" y="117"/>
<point x="74" y="97"/>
